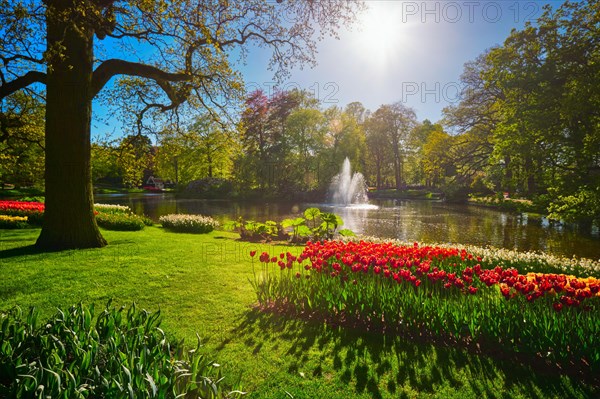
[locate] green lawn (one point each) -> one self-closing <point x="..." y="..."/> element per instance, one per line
<point x="200" y="283"/>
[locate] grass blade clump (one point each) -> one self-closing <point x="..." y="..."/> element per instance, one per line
<point x="121" y="353"/>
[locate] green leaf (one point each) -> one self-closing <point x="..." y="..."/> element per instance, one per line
<point x="312" y="213"/>
<point x="152" y="384"/>
<point x="285" y="223"/>
<point x="304" y="231"/>
<point x="127" y="373"/>
<point x="299" y="221"/>
<point x="231" y="225"/>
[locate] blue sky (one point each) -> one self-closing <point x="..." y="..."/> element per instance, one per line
<point x="408" y="51"/>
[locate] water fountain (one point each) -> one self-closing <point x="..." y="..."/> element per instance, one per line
<point x="348" y="189"/>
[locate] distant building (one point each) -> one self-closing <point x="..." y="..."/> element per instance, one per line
<point x="154" y="183"/>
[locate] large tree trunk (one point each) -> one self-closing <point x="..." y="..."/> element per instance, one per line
<point x="531" y="171"/>
<point x="508" y="175"/>
<point x="209" y="160"/>
<point x="69" y="220"/>
<point x="378" y="166"/>
<point x="397" y="174"/>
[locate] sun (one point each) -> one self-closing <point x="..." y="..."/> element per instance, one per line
<point x="380" y="31"/>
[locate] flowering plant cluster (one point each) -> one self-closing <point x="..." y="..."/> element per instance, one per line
<point x="439" y="290"/>
<point x="33" y="210"/>
<point x="188" y="223"/>
<point x="119" y="217"/>
<point x="112" y="217"/>
<point x="119" y="221"/>
<point x="112" y="208"/>
<point x="524" y="261"/>
<point x="13" y="222"/>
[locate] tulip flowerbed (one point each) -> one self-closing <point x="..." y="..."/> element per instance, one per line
<point x="439" y="292"/>
<point x="111" y="217"/>
<point x="524" y="262"/>
<point x="33" y="210"/>
<point x="13" y="222"/>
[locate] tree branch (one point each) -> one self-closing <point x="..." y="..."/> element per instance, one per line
<point x="22" y="82"/>
<point x="109" y="68"/>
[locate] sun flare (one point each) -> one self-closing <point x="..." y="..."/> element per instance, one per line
<point x="380" y="32"/>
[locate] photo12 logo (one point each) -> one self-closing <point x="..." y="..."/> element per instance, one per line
<point x="469" y="11"/>
<point x="449" y="92"/>
<point x="326" y="93"/>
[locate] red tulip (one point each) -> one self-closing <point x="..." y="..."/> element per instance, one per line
<point x="557" y="306"/>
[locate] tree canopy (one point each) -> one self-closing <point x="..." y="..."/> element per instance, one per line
<point x="530" y="112"/>
<point x="165" y="54"/>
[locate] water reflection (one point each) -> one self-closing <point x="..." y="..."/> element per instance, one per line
<point x="427" y="221"/>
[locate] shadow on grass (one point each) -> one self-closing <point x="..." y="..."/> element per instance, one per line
<point x="28" y="250"/>
<point x="20" y="251"/>
<point x="384" y="365"/>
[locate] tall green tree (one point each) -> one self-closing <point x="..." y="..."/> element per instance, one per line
<point x="175" y="51"/>
<point x="255" y="139"/>
<point x="395" y="122"/>
<point x="380" y="156"/>
<point x="104" y="162"/>
<point x="135" y="156"/>
<point x="306" y="128"/>
<point x="345" y="138"/>
<point x="419" y="136"/>
<point x="436" y="159"/>
<point x="22" y="140"/>
<point x="203" y="150"/>
<point x="474" y="120"/>
<point x="531" y="110"/>
<point x="271" y="140"/>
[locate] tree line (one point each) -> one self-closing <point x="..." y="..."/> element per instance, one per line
<point x="282" y="146"/>
<point x="529" y="117"/>
<point x="527" y="120"/>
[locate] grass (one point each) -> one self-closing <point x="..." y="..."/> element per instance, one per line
<point x="200" y="283"/>
<point x="508" y="204"/>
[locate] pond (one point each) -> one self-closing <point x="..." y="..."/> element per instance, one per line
<point x="425" y="221"/>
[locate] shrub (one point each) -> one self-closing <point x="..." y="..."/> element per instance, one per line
<point x="120" y="221"/>
<point x="120" y="354"/>
<point x="189" y="223"/>
<point x="147" y="221"/>
<point x="584" y="205"/>
<point x="13" y="222"/>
